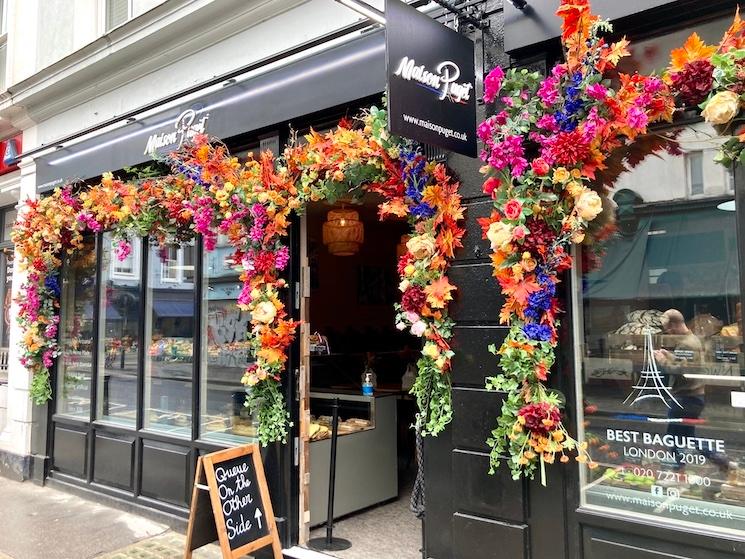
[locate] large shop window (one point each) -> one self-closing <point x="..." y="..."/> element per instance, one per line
<point x="662" y="365"/>
<point x="169" y="327"/>
<point x="151" y="366"/>
<point x="119" y="334"/>
<point x="75" y="365"/>
<point x="225" y="351"/>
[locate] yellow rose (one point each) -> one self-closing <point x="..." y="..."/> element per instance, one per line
<point x="264" y="312"/>
<point x="722" y="108"/>
<point x="431" y="350"/>
<point x="588" y="205"/>
<point x="574" y="188"/>
<point x="561" y="175"/>
<point x="578" y="237"/>
<point x="409" y="270"/>
<point x="499" y="234"/>
<point x="421" y="246"/>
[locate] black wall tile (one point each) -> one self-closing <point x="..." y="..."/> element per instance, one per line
<point x="472" y="362"/>
<point x="114" y="462"/>
<point x="474" y="246"/>
<point x="475" y="414"/>
<point x="478" y="298"/>
<point x="481" y="494"/>
<point x="480" y="538"/>
<point x="166" y="472"/>
<point x="70" y="451"/>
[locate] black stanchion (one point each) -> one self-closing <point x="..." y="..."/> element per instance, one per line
<point x="330" y="543"/>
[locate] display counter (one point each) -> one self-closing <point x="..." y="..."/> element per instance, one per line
<point x="366" y="459"/>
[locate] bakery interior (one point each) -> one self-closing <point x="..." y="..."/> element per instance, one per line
<point x="353" y="286"/>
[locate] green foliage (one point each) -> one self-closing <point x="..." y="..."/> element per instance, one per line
<point x="432" y="391"/>
<point x="266" y="402"/>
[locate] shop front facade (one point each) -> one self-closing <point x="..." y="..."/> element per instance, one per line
<point x="153" y="345"/>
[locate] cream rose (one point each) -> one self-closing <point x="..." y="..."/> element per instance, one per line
<point x="421" y="246"/>
<point x="722" y="108"/>
<point x="589" y="205"/>
<point x="264" y="312"/>
<point x="499" y="234"/>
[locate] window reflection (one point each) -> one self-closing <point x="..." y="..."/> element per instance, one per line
<point x="225" y="351"/>
<point x="119" y="331"/>
<point x="663" y="378"/>
<point x="170" y="339"/>
<point x="77" y="300"/>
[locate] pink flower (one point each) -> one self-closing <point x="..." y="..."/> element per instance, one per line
<point x="513" y="209"/>
<point x="492" y="84"/>
<point x="519" y="232"/>
<point x="558" y="70"/>
<point x="484" y="131"/>
<point x="122" y="250"/>
<point x="637" y="118"/>
<point x="48" y="358"/>
<point x="548" y="91"/>
<point x="597" y="91"/>
<point x="509" y="101"/>
<point x="412" y="317"/>
<point x="418" y="328"/>
<point x="501" y="118"/>
<point x="547" y="122"/>
<point x="282" y="258"/>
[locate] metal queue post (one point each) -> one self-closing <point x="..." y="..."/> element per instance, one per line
<point x="330" y="543"/>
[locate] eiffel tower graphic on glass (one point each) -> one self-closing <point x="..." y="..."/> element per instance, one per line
<point x="650" y="384"/>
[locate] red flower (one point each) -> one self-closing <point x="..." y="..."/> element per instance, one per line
<point x="568" y="148"/>
<point x="513" y="209"/>
<point x="491" y="185"/>
<point x="413" y="299"/>
<point x="404" y="261"/>
<point x="540" y="166"/>
<point x="693" y="83"/>
<point x="540" y="418"/>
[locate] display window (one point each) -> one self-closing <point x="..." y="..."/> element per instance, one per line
<point x="75" y="366"/>
<point x="225" y="351"/>
<point x="660" y="353"/>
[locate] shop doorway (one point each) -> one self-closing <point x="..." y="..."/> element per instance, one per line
<point x="349" y="287"/>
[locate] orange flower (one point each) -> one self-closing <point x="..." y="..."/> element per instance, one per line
<point x="438" y="292"/>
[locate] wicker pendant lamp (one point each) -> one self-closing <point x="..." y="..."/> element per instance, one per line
<point x="343" y="232"/>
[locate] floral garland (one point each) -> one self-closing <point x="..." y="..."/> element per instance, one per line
<point x="713" y="78"/>
<point x="208" y="193"/>
<point x="545" y="153"/>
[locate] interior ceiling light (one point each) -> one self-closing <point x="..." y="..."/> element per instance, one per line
<point x="343" y="232"/>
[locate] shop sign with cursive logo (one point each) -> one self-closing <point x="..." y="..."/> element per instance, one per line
<point x="186" y="127"/>
<point x="431" y="80"/>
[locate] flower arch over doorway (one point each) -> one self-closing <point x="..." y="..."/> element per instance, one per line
<point x="207" y="193"/>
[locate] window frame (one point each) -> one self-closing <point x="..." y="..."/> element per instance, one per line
<point x="104" y="15"/>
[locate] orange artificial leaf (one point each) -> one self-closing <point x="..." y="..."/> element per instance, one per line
<point x="438" y="292"/>
<point x="692" y="50"/>
<point x="734" y="38"/>
<point x="395" y="207"/>
<point x="519" y="290"/>
<point x="617" y="50"/>
<point x="434" y="196"/>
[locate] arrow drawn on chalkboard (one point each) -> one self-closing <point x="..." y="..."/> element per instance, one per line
<point x="258" y="516"/>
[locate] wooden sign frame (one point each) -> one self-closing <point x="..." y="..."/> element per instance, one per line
<point x="206" y="472"/>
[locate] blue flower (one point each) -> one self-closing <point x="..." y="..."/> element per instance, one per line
<point x="423" y="210"/>
<point x="538" y="332"/>
<point x="52" y="284"/>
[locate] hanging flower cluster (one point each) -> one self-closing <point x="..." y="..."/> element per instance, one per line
<point x="713" y="77"/>
<point x="208" y="193"/>
<point x="545" y="151"/>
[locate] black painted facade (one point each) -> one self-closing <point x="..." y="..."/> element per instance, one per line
<point x="470" y="514"/>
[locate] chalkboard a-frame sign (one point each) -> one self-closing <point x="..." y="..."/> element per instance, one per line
<point x="230" y="503"/>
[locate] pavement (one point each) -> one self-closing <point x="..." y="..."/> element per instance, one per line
<point x="45" y="523"/>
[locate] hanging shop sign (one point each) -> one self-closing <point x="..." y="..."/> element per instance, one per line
<point x="431" y="80"/>
<point x="230" y="503"/>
